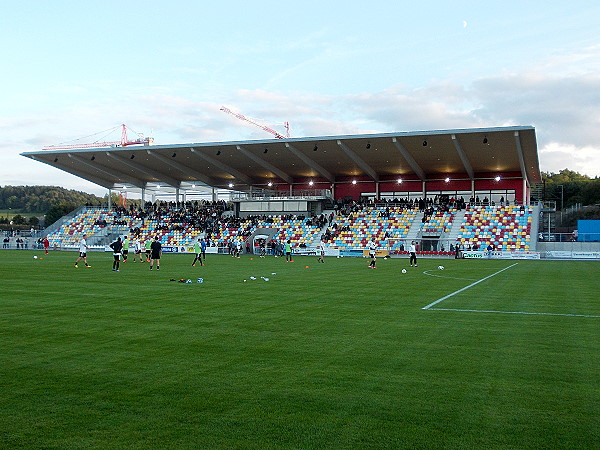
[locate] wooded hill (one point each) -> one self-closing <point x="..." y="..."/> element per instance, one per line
<point x="568" y="188"/>
<point x="39" y="199"/>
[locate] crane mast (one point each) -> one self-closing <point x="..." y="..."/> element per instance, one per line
<point x="253" y="122"/>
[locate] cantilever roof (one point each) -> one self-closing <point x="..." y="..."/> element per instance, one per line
<point x="425" y="154"/>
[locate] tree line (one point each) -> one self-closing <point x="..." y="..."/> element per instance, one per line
<point x="568" y="188"/>
<point x="51" y="202"/>
<point x="39" y="199"/>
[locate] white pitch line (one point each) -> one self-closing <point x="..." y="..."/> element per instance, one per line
<point x="439" y="300"/>
<point x="426" y="272"/>
<point x="516" y="312"/>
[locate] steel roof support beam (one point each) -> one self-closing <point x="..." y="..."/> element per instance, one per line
<point x="93" y="179"/>
<point x="409" y="159"/>
<point x="463" y="157"/>
<point x="358" y="160"/>
<point x="525" y="198"/>
<point x="310" y="163"/>
<point x="261" y="162"/>
<point x="230" y="170"/>
<point x="112" y="173"/>
<point x="151" y="173"/>
<point x="98" y="181"/>
<point x="182" y="168"/>
<point x="520" y="154"/>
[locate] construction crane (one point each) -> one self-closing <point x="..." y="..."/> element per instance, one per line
<point x="264" y="127"/>
<point x="124" y="142"/>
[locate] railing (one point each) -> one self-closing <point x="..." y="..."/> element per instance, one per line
<point x="568" y="237"/>
<point x="548" y="206"/>
<point x="307" y="194"/>
<point x="66" y="218"/>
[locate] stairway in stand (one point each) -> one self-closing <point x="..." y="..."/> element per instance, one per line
<point x="459" y="217"/>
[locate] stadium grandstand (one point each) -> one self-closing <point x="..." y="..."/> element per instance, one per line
<point x="453" y="192"/>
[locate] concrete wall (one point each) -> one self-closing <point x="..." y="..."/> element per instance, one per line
<point x="568" y="246"/>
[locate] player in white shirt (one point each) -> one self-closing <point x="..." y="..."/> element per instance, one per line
<point x="83" y="248"/>
<point x="321" y="250"/>
<point x="372" y="249"/>
<point x="413" y="254"/>
<point x="137" y="248"/>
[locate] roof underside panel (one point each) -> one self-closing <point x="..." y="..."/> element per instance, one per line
<point x="246" y="163"/>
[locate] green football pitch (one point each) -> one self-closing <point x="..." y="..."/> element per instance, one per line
<point x="483" y="354"/>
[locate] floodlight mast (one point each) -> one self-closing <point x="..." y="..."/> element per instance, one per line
<point x="124" y="142"/>
<point x="253" y="122"/>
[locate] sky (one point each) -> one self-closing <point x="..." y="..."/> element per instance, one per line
<point x="71" y="70"/>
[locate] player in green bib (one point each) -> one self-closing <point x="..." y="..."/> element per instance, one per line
<point x="198" y="252"/>
<point x="288" y="251"/>
<point x="148" y="248"/>
<point x="125" y="248"/>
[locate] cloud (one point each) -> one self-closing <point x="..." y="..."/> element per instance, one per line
<point x="583" y="61"/>
<point x="564" y="108"/>
<point x="555" y="156"/>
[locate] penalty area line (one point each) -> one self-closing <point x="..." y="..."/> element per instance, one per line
<point x="439" y="300"/>
<point x="516" y="312"/>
